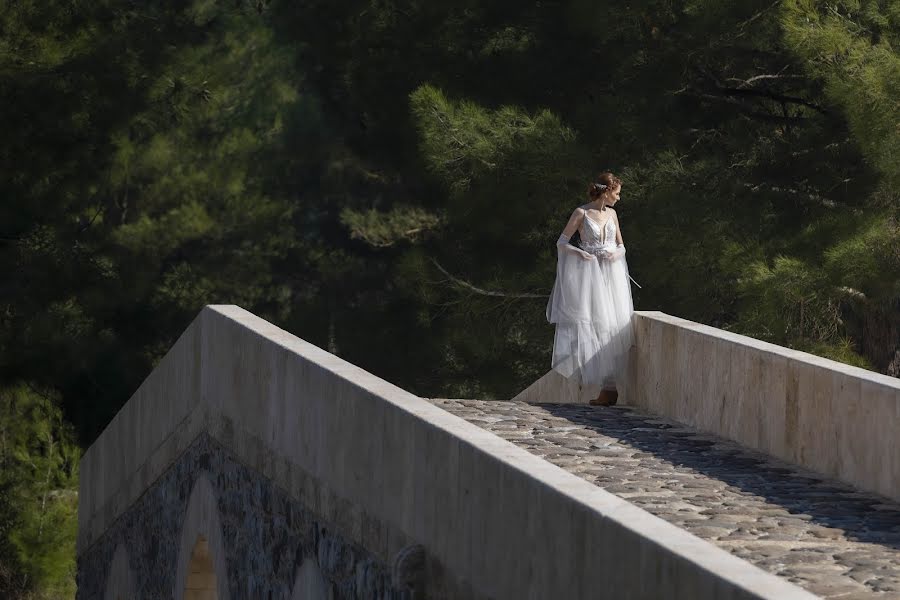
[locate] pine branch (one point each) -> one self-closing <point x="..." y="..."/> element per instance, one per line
<point x="750" y="81"/>
<point x="480" y="291"/>
<point x="826" y="202"/>
<point x="740" y="106"/>
<point x="772" y="96"/>
<point x="727" y="93"/>
<point x="743" y="24"/>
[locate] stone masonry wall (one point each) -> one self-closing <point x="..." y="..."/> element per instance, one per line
<point x="266" y="533"/>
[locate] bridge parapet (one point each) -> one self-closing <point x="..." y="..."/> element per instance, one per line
<point x="833" y="418"/>
<point x="374" y="465"/>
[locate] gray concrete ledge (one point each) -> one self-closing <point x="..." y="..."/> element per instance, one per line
<point x="833" y="418"/>
<point x="390" y="469"/>
<point x="839" y="420"/>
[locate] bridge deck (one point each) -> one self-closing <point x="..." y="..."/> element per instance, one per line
<point x="822" y="535"/>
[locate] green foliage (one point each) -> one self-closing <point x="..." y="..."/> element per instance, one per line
<point x="842" y="350"/>
<point x="795" y="294"/>
<point x="854" y="47"/>
<point x="463" y="142"/>
<point x="868" y="260"/>
<point x="161" y="192"/>
<point x="38" y="501"/>
<point x="401" y="223"/>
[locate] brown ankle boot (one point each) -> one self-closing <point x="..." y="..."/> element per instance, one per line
<point x="606" y="398"/>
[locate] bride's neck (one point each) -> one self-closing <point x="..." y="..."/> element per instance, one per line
<point x="597" y="205"/>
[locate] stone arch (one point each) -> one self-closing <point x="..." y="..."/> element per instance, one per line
<point x="309" y="582"/>
<point x="201" y="553"/>
<point x="119" y="578"/>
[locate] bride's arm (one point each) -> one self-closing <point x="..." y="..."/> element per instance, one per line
<point x="620" y="244"/>
<point x="571" y="227"/>
<point x="619" y="241"/>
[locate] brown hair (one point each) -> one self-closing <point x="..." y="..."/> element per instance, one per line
<point x="607" y="179"/>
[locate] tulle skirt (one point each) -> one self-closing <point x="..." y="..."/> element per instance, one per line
<point x="592" y="308"/>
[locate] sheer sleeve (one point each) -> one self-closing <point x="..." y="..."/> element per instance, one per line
<point x="562" y="243"/>
<point x="572" y="293"/>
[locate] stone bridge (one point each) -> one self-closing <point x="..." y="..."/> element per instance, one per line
<point x="251" y="464"/>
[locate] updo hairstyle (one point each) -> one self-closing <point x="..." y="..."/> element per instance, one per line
<point x="609" y="180"/>
<point x="605" y="181"/>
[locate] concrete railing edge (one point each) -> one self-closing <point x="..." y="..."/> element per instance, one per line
<point x="771" y="348"/>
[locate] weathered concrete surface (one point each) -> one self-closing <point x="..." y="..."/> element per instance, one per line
<point x="259" y="539"/>
<point x="835" y="419"/>
<point x="386" y="470"/>
<point x="823" y="535"/>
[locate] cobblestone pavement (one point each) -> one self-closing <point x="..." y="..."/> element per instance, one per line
<point x="822" y="535"/>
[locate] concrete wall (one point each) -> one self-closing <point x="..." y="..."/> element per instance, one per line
<point x="388" y="469"/>
<point x="252" y="539"/>
<point x="838" y="420"/>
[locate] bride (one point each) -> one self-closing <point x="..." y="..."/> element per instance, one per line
<point x="591" y="302"/>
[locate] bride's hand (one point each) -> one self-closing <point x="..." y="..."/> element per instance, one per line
<point x="587" y="255"/>
<point x="612" y="254"/>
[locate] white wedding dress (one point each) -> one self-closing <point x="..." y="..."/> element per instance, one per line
<point x="592" y="307"/>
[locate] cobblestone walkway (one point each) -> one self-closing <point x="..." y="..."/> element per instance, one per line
<point x="822" y="535"/>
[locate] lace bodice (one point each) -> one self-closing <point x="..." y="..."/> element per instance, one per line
<point x="595" y="235"/>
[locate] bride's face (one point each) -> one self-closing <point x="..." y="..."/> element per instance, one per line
<point x="613" y="196"/>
